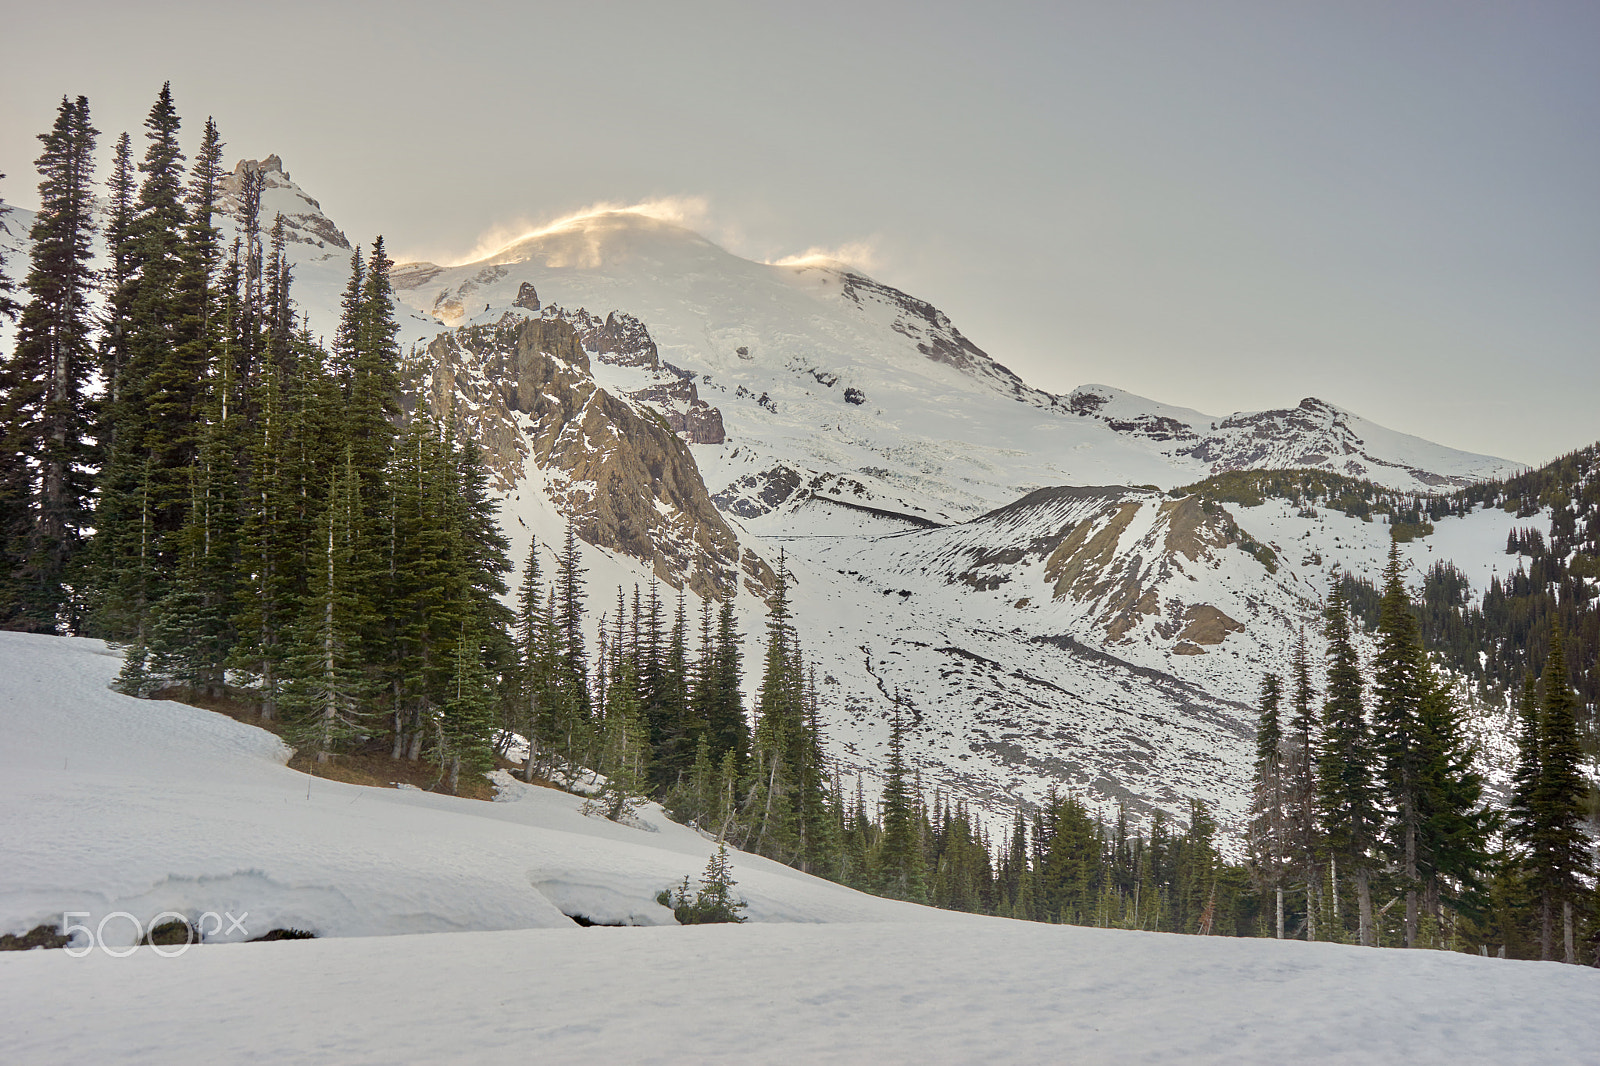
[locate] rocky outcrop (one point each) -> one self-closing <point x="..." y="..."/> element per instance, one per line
<point x="680" y="404"/>
<point x="523" y="389"/>
<point x="622" y="340"/>
<point x="303" y="220"/>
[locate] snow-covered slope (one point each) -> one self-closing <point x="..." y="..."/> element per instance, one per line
<point x="120" y="805"/>
<point x="142" y="806"/>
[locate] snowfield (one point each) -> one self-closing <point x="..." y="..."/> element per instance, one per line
<point x="113" y="804"/>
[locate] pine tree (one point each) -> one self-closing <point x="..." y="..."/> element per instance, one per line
<point x="899" y="862"/>
<point x="466" y="720"/>
<point x="112" y="355"/>
<point x="44" y="408"/>
<point x="719" y="699"/>
<point x="1300" y="778"/>
<point x="8" y="303"/>
<point x="569" y="619"/>
<point x="1453" y="825"/>
<point x="1347" y="795"/>
<point x="535" y="660"/>
<point x="1396" y="722"/>
<point x="159" y="392"/>
<point x="779" y="744"/>
<point x="326" y="692"/>
<point x="1560" y="852"/>
<point x="625" y="751"/>
<point x="1268" y="817"/>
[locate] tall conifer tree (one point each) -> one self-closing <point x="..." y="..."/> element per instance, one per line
<point x="1396" y="722"/>
<point x="1347" y="795"/>
<point x="44" y="408"/>
<point x="1561" y="853"/>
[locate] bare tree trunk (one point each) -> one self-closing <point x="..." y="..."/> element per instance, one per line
<point x="1411" y="877"/>
<point x="1364" y="906"/>
<point x="269" y="690"/>
<point x="1333" y="888"/>
<point x="1571" y="952"/>
<point x="1546" y="949"/>
<point x="1280" y="912"/>
<point x="1312" y="901"/>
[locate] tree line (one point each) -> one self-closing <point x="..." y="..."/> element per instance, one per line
<point x="1367" y="791"/>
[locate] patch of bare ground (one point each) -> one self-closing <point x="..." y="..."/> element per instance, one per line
<point x="369" y="764"/>
<point x="1207" y="625"/>
<point x="40" y="936"/>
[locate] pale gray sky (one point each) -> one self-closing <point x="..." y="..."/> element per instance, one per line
<point x="1391" y="205"/>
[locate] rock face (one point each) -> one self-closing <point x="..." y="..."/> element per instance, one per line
<point x="523" y="389"/>
<point x="622" y="340"/>
<point x="934" y="334"/>
<point x="303" y="220"/>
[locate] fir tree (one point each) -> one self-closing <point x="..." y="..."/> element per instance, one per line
<point x="1452" y="825"/>
<point x="719" y="700"/>
<point x="159" y="392"/>
<point x="44" y="407"/>
<point x="1300" y="779"/>
<point x="1560" y="853"/>
<point x="899" y="861"/>
<point x="569" y="619"/>
<point x="1347" y="795"/>
<point x="326" y="690"/>
<point x="8" y="303"/>
<point x="1396" y="721"/>
<point x="1268" y="817"/>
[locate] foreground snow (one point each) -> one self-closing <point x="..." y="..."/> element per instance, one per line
<point x="143" y="806"/>
<point x="974" y="990"/>
<point x="112" y="804"/>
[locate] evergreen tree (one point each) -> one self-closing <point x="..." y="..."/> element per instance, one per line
<point x="326" y="691"/>
<point x="536" y="660"/>
<point x="1560" y="853"/>
<point x="719" y="699"/>
<point x="778" y="746"/>
<point x="1268" y="814"/>
<point x="1347" y="795"/>
<point x="117" y="282"/>
<point x="625" y="747"/>
<point x="1300" y="778"/>
<point x="8" y="303"/>
<point x="1396" y="721"/>
<point x="466" y="718"/>
<point x="159" y="392"/>
<point x="899" y="861"/>
<point x="569" y="619"/>
<point x="1452" y="826"/>
<point x="44" y="407"/>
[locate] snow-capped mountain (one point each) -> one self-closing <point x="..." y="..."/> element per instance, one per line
<point x="1105" y="640"/>
<point x="819" y="371"/>
<point x="1012" y="563"/>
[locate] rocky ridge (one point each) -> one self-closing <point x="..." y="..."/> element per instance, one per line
<point x="523" y="390"/>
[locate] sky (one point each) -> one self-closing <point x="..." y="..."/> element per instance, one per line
<point x="1390" y="205"/>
